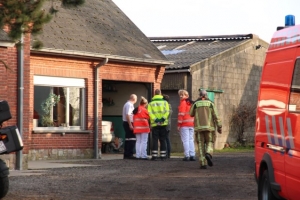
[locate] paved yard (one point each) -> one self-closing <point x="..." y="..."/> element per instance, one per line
<point x="231" y="177"/>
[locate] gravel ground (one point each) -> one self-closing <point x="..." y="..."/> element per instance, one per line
<point x="231" y="177"/>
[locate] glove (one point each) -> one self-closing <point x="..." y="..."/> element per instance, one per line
<point x="157" y="120"/>
<point x="219" y="130"/>
<point x="162" y="120"/>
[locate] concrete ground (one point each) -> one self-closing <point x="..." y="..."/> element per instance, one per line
<point x="40" y="166"/>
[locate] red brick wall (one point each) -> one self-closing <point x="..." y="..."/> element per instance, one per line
<point x="75" y="68"/>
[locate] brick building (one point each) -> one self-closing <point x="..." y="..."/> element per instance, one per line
<point x="91" y="54"/>
<point x="227" y="66"/>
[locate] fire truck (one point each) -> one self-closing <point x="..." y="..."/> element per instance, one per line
<point x="277" y="133"/>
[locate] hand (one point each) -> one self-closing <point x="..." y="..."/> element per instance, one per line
<point x="130" y="126"/>
<point x="219" y="130"/>
<point x="157" y="120"/>
<point x="162" y="119"/>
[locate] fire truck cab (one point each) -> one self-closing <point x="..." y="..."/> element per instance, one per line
<point x="277" y="133"/>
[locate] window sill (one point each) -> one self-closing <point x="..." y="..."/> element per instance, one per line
<point x="59" y="130"/>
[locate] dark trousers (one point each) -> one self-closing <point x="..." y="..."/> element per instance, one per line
<point x="159" y="133"/>
<point x="168" y="144"/>
<point x="129" y="144"/>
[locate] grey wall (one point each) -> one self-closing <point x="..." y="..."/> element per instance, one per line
<point x="237" y="72"/>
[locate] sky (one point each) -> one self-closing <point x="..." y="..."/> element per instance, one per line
<point x="160" y="18"/>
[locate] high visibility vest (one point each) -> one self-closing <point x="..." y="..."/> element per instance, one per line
<point x="184" y="117"/>
<point x="140" y="121"/>
<point x="158" y="108"/>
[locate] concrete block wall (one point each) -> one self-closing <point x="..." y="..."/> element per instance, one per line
<point x="237" y="72"/>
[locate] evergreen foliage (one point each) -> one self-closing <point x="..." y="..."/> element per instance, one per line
<point x="27" y="16"/>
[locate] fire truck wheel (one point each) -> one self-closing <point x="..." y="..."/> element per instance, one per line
<point x="265" y="192"/>
<point x="4" y="182"/>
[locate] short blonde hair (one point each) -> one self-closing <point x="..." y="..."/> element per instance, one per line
<point x="184" y="92"/>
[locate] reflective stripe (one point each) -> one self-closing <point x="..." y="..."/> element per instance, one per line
<point x="154" y="153"/>
<point x="274" y="130"/>
<point x="159" y="111"/>
<point x="268" y="129"/>
<point x="140" y="119"/>
<point x="130" y="138"/>
<point x="141" y="127"/>
<point x="290" y="141"/>
<point x="188" y="120"/>
<point x="282" y="132"/>
<point x="274" y="138"/>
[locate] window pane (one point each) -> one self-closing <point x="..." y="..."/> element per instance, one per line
<point x="57" y="106"/>
<point x="74" y="106"/>
<point x="296" y="75"/>
<point x="294" y="101"/>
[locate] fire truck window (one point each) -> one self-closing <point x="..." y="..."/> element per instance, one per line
<point x="294" y="103"/>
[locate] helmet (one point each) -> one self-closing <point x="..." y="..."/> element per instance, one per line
<point x="203" y="93"/>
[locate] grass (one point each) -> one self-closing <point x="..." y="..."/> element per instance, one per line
<point x="237" y="149"/>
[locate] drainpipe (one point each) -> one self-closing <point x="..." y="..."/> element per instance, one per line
<point x="96" y="109"/>
<point x="19" y="155"/>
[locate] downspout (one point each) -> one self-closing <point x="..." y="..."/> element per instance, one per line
<point x="96" y="108"/>
<point x="20" y="49"/>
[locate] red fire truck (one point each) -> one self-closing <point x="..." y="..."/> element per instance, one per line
<point x="277" y="136"/>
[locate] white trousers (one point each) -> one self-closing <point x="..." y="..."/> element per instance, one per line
<point x="187" y="138"/>
<point x="141" y="145"/>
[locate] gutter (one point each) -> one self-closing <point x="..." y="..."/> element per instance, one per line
<point x="82" y="54"/>
<point x="96" y="108"/>
<point x="177" y="71"/>
<point x="20" y="79"/>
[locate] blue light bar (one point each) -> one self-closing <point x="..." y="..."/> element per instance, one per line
<point x="290" y="20"/>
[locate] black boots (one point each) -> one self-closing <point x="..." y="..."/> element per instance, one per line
<point x="208" y="157"/>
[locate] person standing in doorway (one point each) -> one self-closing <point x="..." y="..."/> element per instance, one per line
<point x="127" y="117"/>
<point x="158" y="110"/>
<point x="141" y="129"/>
<point x="168" y="142"/>
<point x="206" y="119"/>
<point x="186" y="126"/>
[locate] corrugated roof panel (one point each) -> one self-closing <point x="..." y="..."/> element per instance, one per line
<point x="185" y="51"/>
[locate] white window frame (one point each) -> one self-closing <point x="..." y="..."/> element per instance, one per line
<point x="50" y="81"/>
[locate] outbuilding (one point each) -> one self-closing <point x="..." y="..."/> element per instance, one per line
<point x="227" y="66"/>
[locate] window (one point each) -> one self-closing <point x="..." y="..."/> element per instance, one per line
<point x="294" y="103"/>
<point x="58" y="103"/>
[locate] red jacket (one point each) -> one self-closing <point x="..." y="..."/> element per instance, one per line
<point x="184" y="118"/>
<point x="140" y="121"/>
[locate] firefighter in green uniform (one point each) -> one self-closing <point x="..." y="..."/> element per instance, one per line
<point x="205" y="121"/>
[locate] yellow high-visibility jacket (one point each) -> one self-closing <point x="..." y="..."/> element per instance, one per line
<point x="158" y="110"/>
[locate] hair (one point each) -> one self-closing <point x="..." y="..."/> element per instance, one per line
<point x="157" y="92"/>
<point x="133" y="97"/>
<point x="184" y="92"/>
<point x="143" y="101"/>
<point x="166" y="97"/>
<point x="203" y="93"/>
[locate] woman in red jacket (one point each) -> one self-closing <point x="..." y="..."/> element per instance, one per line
<point x="141" y="129"/>
<point x="186" y="125"/>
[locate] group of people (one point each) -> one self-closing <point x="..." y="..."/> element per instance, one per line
<point x="197" y="118"/>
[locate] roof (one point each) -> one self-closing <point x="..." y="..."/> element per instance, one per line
<point x="97" y="28"/>
<point x="285" y="38"/>
<point x="4" y="36"/>
<point x="185" y="51"/>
